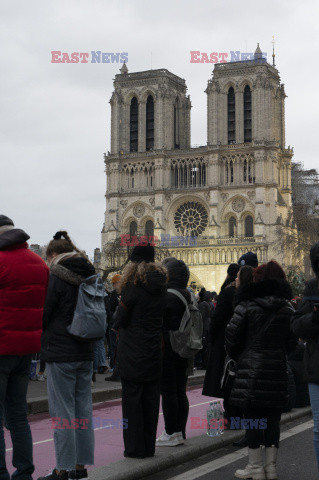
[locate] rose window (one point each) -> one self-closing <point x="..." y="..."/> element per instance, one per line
<point x="191" y="219"/>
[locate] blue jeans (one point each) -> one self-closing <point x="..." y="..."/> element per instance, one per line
<point x="99" y="355"/>
<point x="14" y="380"/>
<point x="314" y="400"/>
<point x="70" y="406"/>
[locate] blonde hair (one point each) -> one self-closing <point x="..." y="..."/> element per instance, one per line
<point x="135" y="272"/>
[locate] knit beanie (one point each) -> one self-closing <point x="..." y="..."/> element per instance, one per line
<point x="143" y="254"/>
<point x="5" y="224"/>
<point x="248" y="258"/>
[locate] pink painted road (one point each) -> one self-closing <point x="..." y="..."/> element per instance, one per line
<point x="108" y="441"/>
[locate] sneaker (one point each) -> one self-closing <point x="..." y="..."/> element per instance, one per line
<point x="55" y="476"/>
<point x="40" y="377"/>
<point x="78" y="474"/>
<point x="166" y="440"/>
<point x="180" y="437"/>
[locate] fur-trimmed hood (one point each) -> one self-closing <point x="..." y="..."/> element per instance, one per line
<point x="268" y="293"/>
<point x="73" y="271"/>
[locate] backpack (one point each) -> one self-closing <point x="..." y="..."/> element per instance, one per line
<point x="187" y="340"/>
<point x="89" y="318"/>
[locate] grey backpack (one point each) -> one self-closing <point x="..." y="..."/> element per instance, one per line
<point x="89" y="319"/>
<point x="187" y="340"/>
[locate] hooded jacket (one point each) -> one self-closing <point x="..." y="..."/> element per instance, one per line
<point x="23" y="284"/>
<point x="178" y="275"/>
<point x="139" y="318"/>
<point x="57" y="345"/>
<point x="261" y="379"/>
<point x="306" y="321"/>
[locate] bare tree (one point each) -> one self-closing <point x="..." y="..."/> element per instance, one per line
<point x="301" y="230"/>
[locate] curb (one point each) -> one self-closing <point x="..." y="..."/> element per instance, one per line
<point x="40" y="404"/>
<point x="133" y="469"/>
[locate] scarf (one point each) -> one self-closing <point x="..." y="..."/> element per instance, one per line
<point x="63" y="256"/>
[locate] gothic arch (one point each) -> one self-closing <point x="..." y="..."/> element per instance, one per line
<point x="243" y="83"/>
<point x="146" y="91"/>
<point x="227" y="86"/>
<point x="128" y="213"/>
<point x="130" y="95"/>
<point x="178" y="201"/>
<point x="127" y="222"/>
<point x="249" y="206"/>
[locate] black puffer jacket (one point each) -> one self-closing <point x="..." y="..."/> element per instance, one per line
<point x="261" y="380"/>
<point x="139" y="318"/>
<point x="178" y="275"/>
<point x="306" y="321"/>
<point x="57" y="345"/>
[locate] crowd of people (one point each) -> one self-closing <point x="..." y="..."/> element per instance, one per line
<point x="252" y="325"/>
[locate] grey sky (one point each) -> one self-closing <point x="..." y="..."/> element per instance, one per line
<point x="55" y="118"/>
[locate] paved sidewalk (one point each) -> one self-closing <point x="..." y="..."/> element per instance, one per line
<point x="102" y="390"/>
<point x="135" y="469"/>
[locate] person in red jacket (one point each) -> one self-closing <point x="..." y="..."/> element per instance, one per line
<point x="23" y="284"/>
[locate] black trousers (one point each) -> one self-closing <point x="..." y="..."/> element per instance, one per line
<point x="268" y="436"/>
<point x="174" y="399"/>
<point x="140" y="406"/>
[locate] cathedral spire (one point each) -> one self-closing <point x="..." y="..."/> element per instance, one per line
<point x="258" y="52"/>
<point x="273" y="51"/>
<point x="124" y="69"/>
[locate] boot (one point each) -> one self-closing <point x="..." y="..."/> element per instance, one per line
<point x="270" y="463"/>
<point x="255" y="468"/>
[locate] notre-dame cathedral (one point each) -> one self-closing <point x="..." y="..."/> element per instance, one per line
<point x="232" y="194"/>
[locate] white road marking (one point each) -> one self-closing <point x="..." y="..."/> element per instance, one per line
<point x="99" y="428"/>
<point x="233" y="457"/>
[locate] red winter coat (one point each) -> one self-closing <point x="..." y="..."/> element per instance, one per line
<point x="23" y="284"/>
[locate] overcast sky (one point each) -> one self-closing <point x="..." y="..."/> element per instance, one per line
<point x="55" y="118"/>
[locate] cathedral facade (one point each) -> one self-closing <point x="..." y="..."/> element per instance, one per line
<point x="229" y="196"/>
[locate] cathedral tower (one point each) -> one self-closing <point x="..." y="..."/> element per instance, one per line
<point x="233" y="195"/>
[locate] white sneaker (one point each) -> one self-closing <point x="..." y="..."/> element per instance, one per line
<point x="166" y="440"/>
<point x="181" y="438"/>
<point x="41" y="377"/>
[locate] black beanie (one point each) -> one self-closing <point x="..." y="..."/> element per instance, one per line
<point x="143" y="254"/>
<point x="248" y="258"/>
<point x="5" y="221"/>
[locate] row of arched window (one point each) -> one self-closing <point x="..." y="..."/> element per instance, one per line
<point x="149" y="124"/>
<point x="149" y="228"/>
<point x="150" y="135"/>
<point x="248" y="227"/>
<point x="231" y="115"/>
<point x="232" y="227"/>
<point x="188" y="174"/>
<point x="137" y="179"/>
<point x="238" y="172"/>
